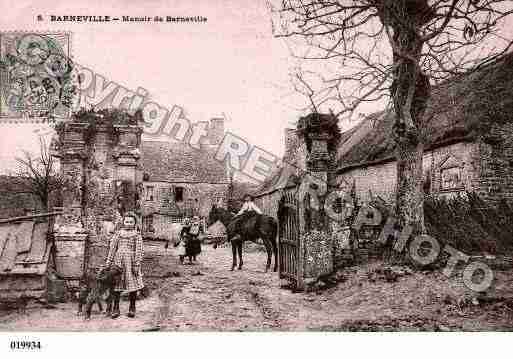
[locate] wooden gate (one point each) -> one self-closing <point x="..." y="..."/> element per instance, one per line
<point x="288" y="239"/>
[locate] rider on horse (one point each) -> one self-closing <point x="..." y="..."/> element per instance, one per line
<point x="249" y="224"/>
<point x="248" y="205"/>
<point x="248" y="210"/>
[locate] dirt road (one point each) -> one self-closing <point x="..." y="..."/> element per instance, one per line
<point x="208" y="297"/>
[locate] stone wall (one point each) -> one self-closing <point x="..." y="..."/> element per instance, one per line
<point x="484" y="166"/>
<point x="462" y="159"/>
<point x="164" y="211"/>
<point x="198" y="198"/>
<point x="495" y="179"/>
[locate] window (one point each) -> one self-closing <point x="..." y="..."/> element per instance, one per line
<point x="451" y="178"/>
<point x="178" y="194"/>
<point x="149" y="193"/>
<point x="163" y="192"/>
<point x="148" y="224"/>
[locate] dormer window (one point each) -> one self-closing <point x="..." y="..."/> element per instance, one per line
<point x="149" y="193"/>
<point x="451" y="178"/>
<point x="451" y="174"/>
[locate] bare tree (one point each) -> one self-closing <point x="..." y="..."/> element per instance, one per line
<point x="39" y="173"/>
<point x="396" y="51"/>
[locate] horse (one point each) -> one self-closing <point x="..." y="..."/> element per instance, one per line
<point x="258" y="226"/>
<point x="173" y="234"/>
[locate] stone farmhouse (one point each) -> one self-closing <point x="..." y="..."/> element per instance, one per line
<point x="180" y="181"/>
<point x="469" y="145"/>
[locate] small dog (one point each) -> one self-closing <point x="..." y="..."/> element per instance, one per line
<point x="21" y="304"/>
<point x="97" y="285"/>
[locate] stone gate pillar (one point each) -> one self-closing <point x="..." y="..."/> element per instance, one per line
<point x="100" y="203"/>
<point x="319" y="135"/>
<point x="127" y="156"/>
<point x="69" y="231"/>
<point x="111" y="183"/>
<point x="98" y="148"/>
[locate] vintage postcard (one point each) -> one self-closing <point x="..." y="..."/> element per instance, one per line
<point x="255" y="166"/>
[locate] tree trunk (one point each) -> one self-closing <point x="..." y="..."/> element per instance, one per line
<point x="409" y="192"/>
<point x="411" y="90"/>
<point x="44" y="198"/>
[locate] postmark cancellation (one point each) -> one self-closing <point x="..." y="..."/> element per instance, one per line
<point x="35" y="75"/>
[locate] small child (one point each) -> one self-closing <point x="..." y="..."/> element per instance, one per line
<point x="248" y="205"/>
<point x="189" y="234"/>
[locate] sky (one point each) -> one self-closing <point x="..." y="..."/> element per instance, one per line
<point x="229" y="65"/>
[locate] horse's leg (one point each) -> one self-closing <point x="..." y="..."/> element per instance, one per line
<point x="274" y="245"/>
<point x="269" y="253"/>
<point x="234" y="253"/>
<point x="108" y="310"/>
<point x="239" y="248"/>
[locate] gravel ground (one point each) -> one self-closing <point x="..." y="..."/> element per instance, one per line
<point x="208" y="297"/>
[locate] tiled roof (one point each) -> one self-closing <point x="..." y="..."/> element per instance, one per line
<point x="178" y="162"/>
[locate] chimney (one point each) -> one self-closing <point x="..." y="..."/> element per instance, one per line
<point x="216" y="131"/>
<point x="291" y="143"/>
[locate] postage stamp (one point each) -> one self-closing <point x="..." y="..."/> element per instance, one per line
<point x="35" y="75"/>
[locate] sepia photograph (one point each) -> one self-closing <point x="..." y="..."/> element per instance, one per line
<point x="333" y="167"/>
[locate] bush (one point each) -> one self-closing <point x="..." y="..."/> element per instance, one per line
<point x="470" y="224"/>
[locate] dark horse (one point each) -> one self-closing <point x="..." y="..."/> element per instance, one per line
<point x="255" y="227"/>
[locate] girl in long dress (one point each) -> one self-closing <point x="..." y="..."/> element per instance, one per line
<point x="126" y="251"/>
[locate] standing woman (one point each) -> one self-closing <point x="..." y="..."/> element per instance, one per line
<point x="195" y="231"/>
<point x="126" y="251"/>
<point x="186" y="237"/>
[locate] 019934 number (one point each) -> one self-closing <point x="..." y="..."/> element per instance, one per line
<point x="25" y="345"/>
